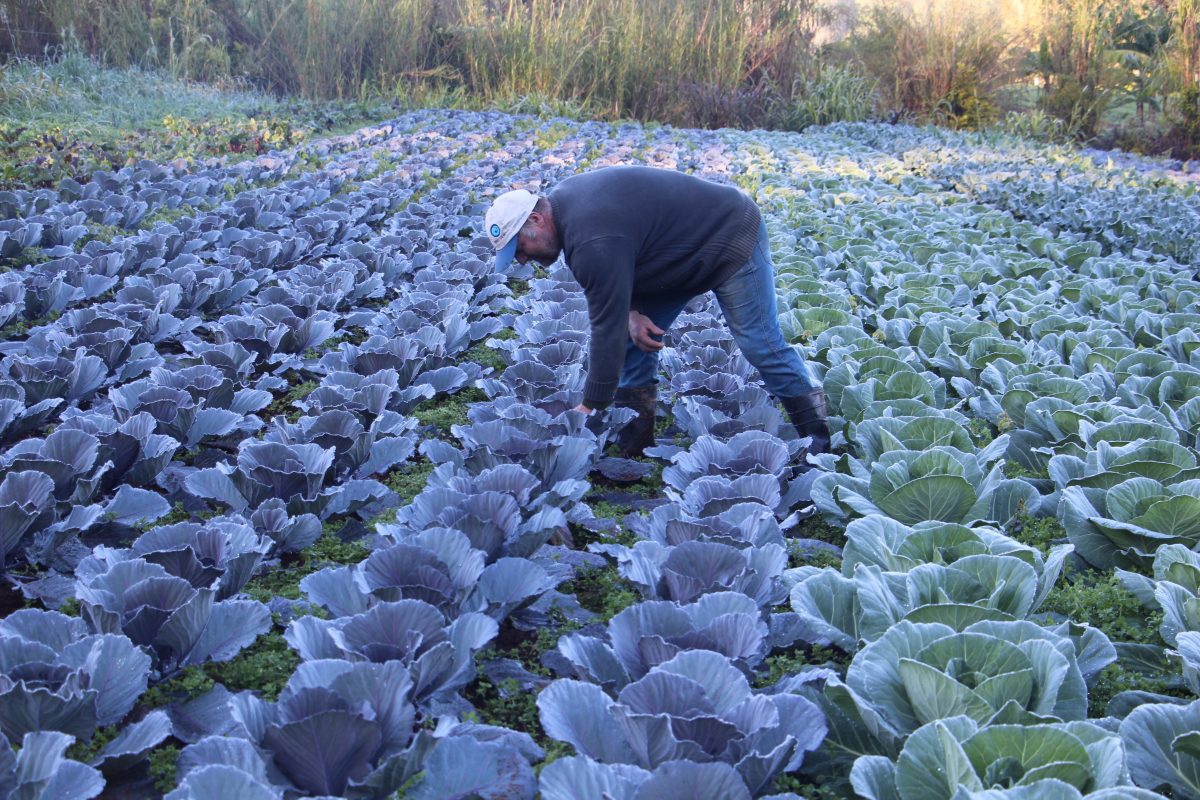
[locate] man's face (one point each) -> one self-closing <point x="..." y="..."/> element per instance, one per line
<point x="537" y="241"/>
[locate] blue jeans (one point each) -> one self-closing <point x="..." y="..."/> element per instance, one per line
<point x="747" y="300"/>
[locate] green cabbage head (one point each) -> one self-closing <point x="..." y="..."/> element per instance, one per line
<point x="951" y="758"/>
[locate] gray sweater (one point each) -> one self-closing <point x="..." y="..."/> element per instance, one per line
<point x="635" y="232"/>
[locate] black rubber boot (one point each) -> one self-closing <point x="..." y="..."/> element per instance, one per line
<point x="809" y="418"/>
<point x="639" y="433"/>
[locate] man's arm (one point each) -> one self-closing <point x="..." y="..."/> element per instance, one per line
<point x="645" y="334"/>
<point x="604" y="268"/>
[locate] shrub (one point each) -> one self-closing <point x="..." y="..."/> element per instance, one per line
<point x="1033" y="124"/>
<point x="967" y="104"/>
<point x="706" y="105"/>
<point x="831" y="93"/>
<point x="1078" y="106"/>
<point x="1186" y="128"/>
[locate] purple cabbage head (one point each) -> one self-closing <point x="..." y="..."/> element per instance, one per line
<point x="180" y="625"/>
<point x="54" y="676"/>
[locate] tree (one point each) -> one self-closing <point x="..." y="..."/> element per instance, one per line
<point x="1077" y="40"/>
<point x="1139" y="45"/>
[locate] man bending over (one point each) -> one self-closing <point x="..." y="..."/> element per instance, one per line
<point x="642" y="242"/>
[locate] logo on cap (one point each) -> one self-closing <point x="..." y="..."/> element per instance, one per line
<point x="495" y="229"/>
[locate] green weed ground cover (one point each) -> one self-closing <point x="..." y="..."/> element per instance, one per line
<point x="67" y="117"/>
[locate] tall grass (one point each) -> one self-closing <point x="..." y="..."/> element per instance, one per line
<point x="701" y="61"/>
<point x="940" y="59"/>
<point x="632" y="57"/>
<point x="324" y="49"/>
<point x="116" y="31"/>
<point x="670" y="60"/>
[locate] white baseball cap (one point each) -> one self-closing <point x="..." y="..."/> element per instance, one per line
<point x="506" y="216"/>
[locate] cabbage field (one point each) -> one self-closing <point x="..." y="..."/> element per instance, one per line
<point x="293" y="501"/>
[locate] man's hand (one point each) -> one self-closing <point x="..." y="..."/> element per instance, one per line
<point x="642" y="331"/>
<point x="583" y="409"/>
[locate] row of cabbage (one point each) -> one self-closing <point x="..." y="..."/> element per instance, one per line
<point x="1080" y="352"/>
<point x="682" y="721"/>
<point x="153" y="396"/>
<point x="157" y="371"/>
<point x="657" y="701"/>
